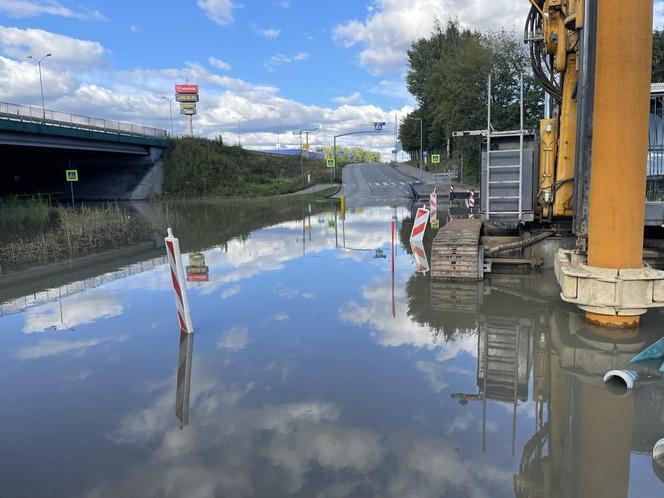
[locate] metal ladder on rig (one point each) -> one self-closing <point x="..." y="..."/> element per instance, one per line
<point x="504" y="169"/>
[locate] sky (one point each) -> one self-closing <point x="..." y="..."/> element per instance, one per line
<point x="274" y="65"/>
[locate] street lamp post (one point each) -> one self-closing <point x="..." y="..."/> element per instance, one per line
<point x="41" y="83"/>
<point x="300" y="132"/>
<point x="239" y="136"/>
<point x="170" y="108"/>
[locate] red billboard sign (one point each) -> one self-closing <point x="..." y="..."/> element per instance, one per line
<point x="186" y="88"/>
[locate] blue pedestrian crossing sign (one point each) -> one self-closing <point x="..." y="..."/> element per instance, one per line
<point x="435" y="158"/>
<point x="330" y="163"/>
<point x="72" y="175"/>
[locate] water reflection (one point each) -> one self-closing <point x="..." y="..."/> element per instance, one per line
<point x="323" y="371"/>
<point x="584" y="436"/>
<point x="185" y="358"/>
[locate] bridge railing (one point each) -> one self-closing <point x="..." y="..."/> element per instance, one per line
<point x="57" y="118"/>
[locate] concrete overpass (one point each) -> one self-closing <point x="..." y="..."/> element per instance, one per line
<point x="115" y="160"/>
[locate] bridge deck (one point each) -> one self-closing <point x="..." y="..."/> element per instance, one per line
<point x="26" y="119"/>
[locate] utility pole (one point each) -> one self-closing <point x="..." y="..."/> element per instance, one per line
<point x="41" y="83"/>
<point x="421" y="148"/>
<point x="239" y="135"/>
<point x="396" y="134"/>
<point x="300" y="132"/>
<point x="301" y="160"/>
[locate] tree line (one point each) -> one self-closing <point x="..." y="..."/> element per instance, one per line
<point x="448" y="73"/>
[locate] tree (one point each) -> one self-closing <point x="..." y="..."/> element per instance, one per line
<point x="448" y="74"/>
<point x="658" y="56"/>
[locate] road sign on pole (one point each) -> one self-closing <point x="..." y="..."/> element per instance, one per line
<point x="435" y="158"/>
<point x="331" y="163"/>
<point x="72" y="176"/>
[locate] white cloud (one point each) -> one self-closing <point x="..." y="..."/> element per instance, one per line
<point x="77" y="79"/>
<point x="392" y="25"/>
<point x="305" y="447"/>
<point x="352" y="99"/>
<point x="48" y="348"/>
<point x="271" y="33"/>
<point x="71" y="312"/>
<point x="658" y="20"/>
<point x="220" y="11"/>
<point x="285" y="293"/>
<point x="234" y="339"/>
<point x="394" y="89"/>
<point x="19" y="43"/>
<point x="20" y="81"/>
<point x="27" y="8"/>
<point x="281" y="59"/>
<point x="219" y="64"/>
<point x="433" y="374"/>
<point x="230" y="292"/>
<point x="281" y="316"/>
<point x="375" y="312"/>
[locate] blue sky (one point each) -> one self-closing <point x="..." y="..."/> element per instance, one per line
<point x="282" y="64"/>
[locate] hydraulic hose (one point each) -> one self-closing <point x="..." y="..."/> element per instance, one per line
<point x="518" y="244"/>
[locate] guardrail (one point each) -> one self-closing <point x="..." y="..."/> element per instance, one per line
<point x="57" y="118"/>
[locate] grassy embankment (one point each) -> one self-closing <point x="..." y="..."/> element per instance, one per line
<point x="32" y="233"/>
<point x="204" y="167"/>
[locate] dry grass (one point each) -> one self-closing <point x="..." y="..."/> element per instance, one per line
<point x="77" y="233"/>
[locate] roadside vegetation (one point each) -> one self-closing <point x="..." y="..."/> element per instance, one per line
<point x="447" y="74"/>
<point x="205" y="167"/>
<point x="21" y="216"/>
<point x="50" y="235"/>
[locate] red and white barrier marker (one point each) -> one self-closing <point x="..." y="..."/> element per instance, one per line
<point x="420" y="225"/>
<point x="451" y="189"/>
<point x="471" y="199"/>
<point x="433" y="200"/>
<point x="179" y="282"/>
<point x="421" y="260"/>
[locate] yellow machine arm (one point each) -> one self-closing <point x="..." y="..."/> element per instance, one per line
<point x="551" y="30"/>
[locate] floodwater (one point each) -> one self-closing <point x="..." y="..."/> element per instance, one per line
<point x="314" y="371"/>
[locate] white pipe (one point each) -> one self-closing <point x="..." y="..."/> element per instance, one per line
<point x="621" y="382"/>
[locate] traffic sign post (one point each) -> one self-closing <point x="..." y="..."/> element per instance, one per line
<point x="435" y="158"/>
<point x="330" y="163"/>
<point x="72" y="176"/>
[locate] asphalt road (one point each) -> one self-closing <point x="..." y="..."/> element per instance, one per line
<point x="374" y="185"/>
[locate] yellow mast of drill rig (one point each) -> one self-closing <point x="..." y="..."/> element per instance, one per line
<point x="552" y="30"/>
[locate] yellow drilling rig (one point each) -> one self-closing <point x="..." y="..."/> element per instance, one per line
<point x="593" y="58"/>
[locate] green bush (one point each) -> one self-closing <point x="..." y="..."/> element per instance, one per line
<point x="200" y="166"/>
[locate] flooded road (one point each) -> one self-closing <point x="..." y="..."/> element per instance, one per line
<point x="314" y="371"/>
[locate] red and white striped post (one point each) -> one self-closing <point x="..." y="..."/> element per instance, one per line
<point x="433" y="200"/>
<point x="451" y="189"/>
<point x="179" y="282"/>
<point x="393" y="227"/>
<point x="420" y="225"/>
<point x="421" y="260"/>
